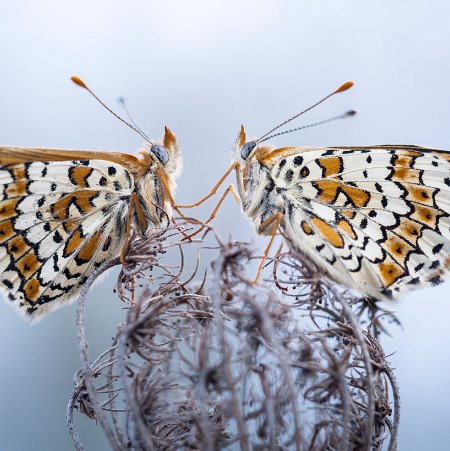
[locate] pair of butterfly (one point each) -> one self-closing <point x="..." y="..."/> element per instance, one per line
<point x="375" y="218"/>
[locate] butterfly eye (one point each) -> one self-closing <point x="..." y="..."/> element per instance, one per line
<point x="247" y="149"/>
<point x="160" y="152"/>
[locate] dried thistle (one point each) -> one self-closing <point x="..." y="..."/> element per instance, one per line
<point x="222" y="364"/>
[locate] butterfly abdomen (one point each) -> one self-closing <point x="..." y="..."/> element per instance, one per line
<point x="261" y="199"/>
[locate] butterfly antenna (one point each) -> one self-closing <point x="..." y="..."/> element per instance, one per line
<point x="78" y="81"/>
<point x="342" y="88"/>
<point x="342" y="116"/>
<point x="124" y="105"/>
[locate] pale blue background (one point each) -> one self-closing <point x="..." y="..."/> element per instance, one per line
<point x="202" y="68"/>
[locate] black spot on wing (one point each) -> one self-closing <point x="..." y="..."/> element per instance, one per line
<point x="288" y="176"/>
<point x="298" y="160"/>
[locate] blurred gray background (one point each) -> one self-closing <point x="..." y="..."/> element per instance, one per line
<point x="203" y="68"/>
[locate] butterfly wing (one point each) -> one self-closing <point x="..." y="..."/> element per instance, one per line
<point x="59" y="220"/>
<point x="10" y="155"/>
<point x="374" y="218"/>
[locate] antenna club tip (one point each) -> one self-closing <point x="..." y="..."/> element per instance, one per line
<point x="344" y="87"/>
<point x="78" y="81"/>
<point x="351" y="113"/>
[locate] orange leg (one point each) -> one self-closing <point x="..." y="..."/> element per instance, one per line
<point x="279" y="250"/>
<point x="140" y="212"/>
<point x="168" y="192"/>
<point x="230" y="189"/>
<point x="134" y="203"/>
<point x="277" y="219"/>
<point x="213" y="191"/>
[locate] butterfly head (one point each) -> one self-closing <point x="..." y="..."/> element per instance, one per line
<point x="244" y="149"/>
<point x="160" y="152"/>
<point x="165" y="154"/>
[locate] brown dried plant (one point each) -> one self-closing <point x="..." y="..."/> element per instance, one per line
<point x="209" y="363"/>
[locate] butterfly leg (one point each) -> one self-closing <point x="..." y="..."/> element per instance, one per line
<point x="135" y="205"/>
<point x="213" y="191"/>
<point x="168" y="193"/>
<point x="230" y="189"/>
<point x="279" y="250"/>
<point x="276" y="220"/>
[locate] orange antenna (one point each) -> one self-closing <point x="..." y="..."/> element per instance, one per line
<point x="342" y="88"/>
<point x="78" y="81"/>
<point x="342" y="116"/>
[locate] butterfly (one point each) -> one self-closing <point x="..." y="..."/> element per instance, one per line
<point x="372" y="218"/>
<point x="65" y="212"/>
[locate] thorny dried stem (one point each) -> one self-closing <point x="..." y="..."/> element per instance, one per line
<point x="221" y="364"/>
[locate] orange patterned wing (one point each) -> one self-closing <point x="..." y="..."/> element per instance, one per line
<point x="26" y="155"/>
<point x="59" y="220"/>
<point x="374" y="218"/>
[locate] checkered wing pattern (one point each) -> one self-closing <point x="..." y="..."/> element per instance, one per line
<point x="59" y="220"/>
<point x="373" y="218"/>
